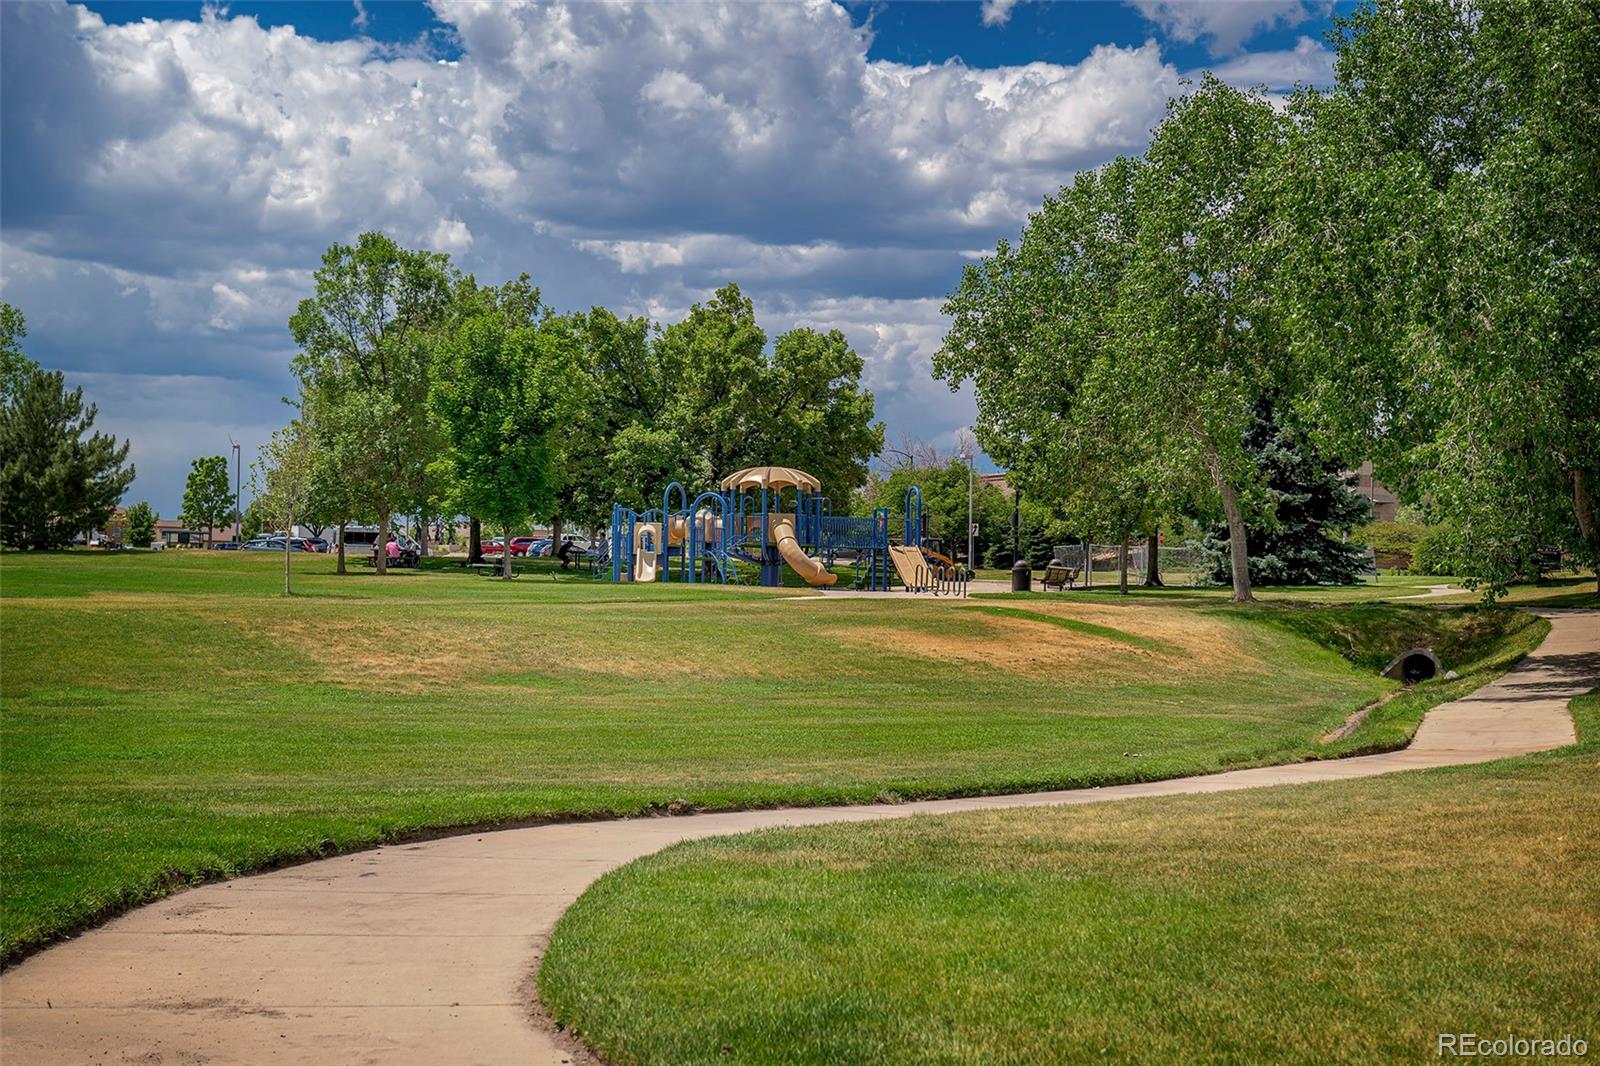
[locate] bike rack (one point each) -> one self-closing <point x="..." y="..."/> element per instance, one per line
<point x="953" y="582"/>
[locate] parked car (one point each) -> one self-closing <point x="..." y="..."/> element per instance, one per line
<point x="317" y="544"/>
<point x="226" y="546"/>
<point x="521" y="545"/>
<point x="494" y="547"/>
<point x="275" y="544"/>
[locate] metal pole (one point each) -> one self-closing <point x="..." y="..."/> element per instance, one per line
<point x="970" y="474"/>
<point x="238" y="495"/>
<point x="1021" y="573"/>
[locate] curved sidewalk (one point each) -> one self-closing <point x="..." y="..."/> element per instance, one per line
<point x="423" y="953"/>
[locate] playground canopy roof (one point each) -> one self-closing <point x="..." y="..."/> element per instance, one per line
<point x="772" y="477"/>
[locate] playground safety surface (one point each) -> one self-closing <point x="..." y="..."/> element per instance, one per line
<point x="425" y="952"/>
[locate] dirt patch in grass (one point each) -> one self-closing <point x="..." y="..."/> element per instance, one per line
<point x="1012" y="644"/>
<point x="394" y="655"/>
<point x="384" y="654"/>
<point x="1206" y="645"/>
<point x="1178" y="626"/>
<point x="1352" y="723"/>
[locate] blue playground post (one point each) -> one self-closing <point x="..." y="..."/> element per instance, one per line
<point x="717" y="552"/>
<point x="616" y="540"/>
<point x="666" y="530"/>
<point x="913" y="529"/>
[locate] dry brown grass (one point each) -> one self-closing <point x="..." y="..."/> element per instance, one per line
<point x="1206" y="644"/>
<point x="1012" y="645"/>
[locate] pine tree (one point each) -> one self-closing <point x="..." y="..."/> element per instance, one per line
<point x="1311" y="506"/>
<point x="54" y="481"/>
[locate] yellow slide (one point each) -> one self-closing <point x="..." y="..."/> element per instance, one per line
<point x="811" y="569"/>
<point x="910" y="565"/>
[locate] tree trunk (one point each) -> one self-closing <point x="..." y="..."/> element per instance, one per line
<point x="1122" y="563"/>
<point x="380" y="555"/>
<point x="474" y="542"/>
<point x="288" y="587"/>
<point x="1152" y="561"/>
<point x="1238" y="547"/>
<point x="556" y="525"/>
<point x="422" y="533"/>
<point x="340" y="568"/>
<point x="1588" y="528"/>
<point x="505" y="555"/>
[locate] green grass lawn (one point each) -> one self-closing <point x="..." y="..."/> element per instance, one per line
<point x="1348" y="922"/>
<point x="170" y="717"/>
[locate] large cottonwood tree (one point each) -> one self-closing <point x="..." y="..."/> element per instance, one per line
<point x="500" y="396"/>
<point x="1120" y="350"/>
<point x="731" y="404"/>
<point x="1441" y="251"/>
<point x="367" y="340"/>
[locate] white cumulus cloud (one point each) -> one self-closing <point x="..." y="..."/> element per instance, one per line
<point x="1223" y="24"/>
<point x="169" y="185"/>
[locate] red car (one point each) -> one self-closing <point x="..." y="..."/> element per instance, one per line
<point x="519" y="546"/>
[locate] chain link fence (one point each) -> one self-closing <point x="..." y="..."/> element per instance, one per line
<point x="1101" y="564"/>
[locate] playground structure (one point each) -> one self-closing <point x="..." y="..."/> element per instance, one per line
<point x="765" y="517"/>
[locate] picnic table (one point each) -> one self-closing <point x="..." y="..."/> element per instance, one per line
<point x="496" y="569"/>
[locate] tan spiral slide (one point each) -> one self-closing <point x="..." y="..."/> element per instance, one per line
<point x="811" y="569"/>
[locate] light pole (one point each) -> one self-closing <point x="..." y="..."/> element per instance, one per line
<point x="968" y="456"/>
<point x="238" y="494"/>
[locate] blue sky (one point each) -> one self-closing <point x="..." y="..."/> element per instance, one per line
<point x="173" y="170"/>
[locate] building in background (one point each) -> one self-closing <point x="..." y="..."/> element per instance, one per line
<point x="998" y="480"/>
<point x="174" y="534"/>
<point x="1385" y="506"/>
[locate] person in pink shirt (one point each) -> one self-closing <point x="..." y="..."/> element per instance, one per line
<point x="393" y="548"/>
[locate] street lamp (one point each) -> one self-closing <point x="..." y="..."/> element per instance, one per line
<point x="971" y="528"/>
<point x="238" y="494"/>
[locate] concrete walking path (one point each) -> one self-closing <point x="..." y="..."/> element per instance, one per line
<point x="424" y="953"/>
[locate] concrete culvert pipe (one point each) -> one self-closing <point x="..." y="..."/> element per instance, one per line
<point x="1418" y="664"/>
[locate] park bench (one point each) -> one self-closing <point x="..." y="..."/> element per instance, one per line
<point x="1060" y="575"/>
